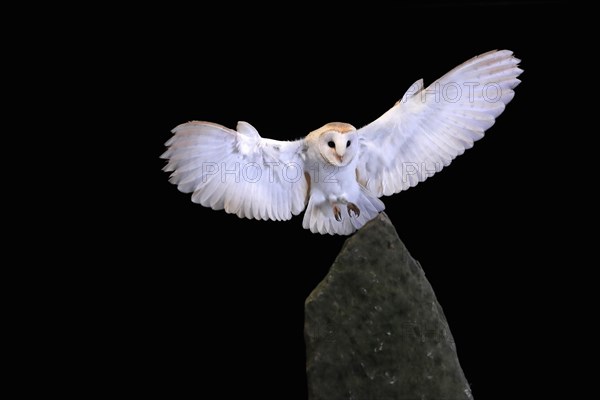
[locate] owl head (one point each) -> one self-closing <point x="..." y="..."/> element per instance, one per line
<point x="337" y="142"/>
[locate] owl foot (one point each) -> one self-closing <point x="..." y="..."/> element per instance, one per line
<point x="352" y="208"/>
<point x="337" y="213"/>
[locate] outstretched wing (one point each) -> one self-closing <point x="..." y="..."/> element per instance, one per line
<point x="237" y="171"/>
<point x="427" y="129"/>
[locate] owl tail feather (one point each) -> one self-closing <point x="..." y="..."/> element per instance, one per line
<point x="319" y="216"/>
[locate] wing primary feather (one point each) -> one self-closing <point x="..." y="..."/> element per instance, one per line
<point x="203" y="157"/>
<point x="430" y="131"/>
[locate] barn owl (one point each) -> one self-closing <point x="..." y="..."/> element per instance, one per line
<point x="338" y="172"/>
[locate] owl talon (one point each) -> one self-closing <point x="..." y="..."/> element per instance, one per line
<point x="352" y="208"/>
<point x="337" y="213"/>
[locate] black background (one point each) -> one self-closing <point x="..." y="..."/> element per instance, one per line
<point x="215" y="303"/>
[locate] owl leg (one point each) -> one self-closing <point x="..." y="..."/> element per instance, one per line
<point x="337" y="212"/>
<point x="352" y="208"/>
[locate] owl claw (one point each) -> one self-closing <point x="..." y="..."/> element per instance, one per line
<point x="337" y="213"/>
<point x="352" y="208"/>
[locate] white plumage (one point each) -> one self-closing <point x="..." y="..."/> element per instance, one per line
<point x="338" y="172"/>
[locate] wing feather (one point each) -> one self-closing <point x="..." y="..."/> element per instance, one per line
<point x="429" y="127"/>
<point x="236" y="170"/>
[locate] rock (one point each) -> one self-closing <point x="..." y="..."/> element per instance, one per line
<point x="374" y="329"/>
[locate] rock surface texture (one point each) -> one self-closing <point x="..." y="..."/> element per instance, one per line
<point x="374" y="329"/>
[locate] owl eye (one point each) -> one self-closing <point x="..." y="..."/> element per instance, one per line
<point x="331" y="144"/>
<point x="348" y="143"/>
